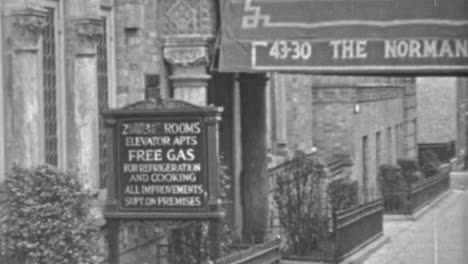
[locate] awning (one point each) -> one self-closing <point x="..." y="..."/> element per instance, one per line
<point x="345" y="36"/>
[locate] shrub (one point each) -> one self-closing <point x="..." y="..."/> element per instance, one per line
<point x="298" y="197"/>
<point x="45" y="217"/>
<point x="393" y="186"/>
<point x="342" y="193"/>
<point x="409" y="170"/>
<point x="390" y="179"/>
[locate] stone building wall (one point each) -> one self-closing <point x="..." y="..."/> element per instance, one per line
<point x="333" y="113"/>
<point x="291" y="112"/>
<point x="138" y="49"/>
<point x="437" y="109"/>
<point x="344" y="115"/>
<point x="378" y="119"/>
<point x="462" y="83"/>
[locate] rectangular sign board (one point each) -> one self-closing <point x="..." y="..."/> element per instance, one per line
<point x="162" y="164"/>
<point x="345" y="36"/>
<point x="164" y="161"/>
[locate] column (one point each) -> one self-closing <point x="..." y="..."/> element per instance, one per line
<point x="2" y="103"/>
<point x="188" y="59"/>
<point x="85" y="106"/>
<point x="281" y="113"/>
<point x="254" y="180"/>
<point x="189" y="29"/>
<point x="27" y="131"/>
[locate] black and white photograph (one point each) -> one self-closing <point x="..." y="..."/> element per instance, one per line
<point x="233" y="131"/>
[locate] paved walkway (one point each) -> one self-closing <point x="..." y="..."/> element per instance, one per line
<point x="440" y="236"/>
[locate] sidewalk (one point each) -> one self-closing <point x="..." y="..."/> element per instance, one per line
<point x="439" y="236"/>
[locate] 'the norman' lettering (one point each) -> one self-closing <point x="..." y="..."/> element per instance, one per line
<point x="455" y="48"/>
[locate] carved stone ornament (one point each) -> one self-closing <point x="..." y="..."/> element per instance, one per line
<point x="187" y="56"/>
<point x="87" y="31"/>
<point x="28" y="24"/>
<point x="185" y="17"/>
<point x="162" y="104"/>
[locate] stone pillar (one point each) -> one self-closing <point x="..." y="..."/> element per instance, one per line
<point x="2" y="104"/>
<point x="85" y="95"/>
<point x="254" y="180"/>
<point x="188" y="59"/>
<point x="27" y="131"/>
<point x="189" y="29"/>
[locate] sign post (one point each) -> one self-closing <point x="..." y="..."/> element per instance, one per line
<point x="163" y="158"/>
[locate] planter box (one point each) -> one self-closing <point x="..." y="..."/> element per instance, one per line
<point x="353" y="229"/>
<point x="419" y="194"/>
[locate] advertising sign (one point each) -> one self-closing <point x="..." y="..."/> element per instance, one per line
<point x="164" y="162"/>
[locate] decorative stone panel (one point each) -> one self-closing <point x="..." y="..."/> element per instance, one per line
<point x="186" y="17"/>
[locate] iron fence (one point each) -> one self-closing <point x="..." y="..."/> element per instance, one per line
<point x="351" y="230"/>
<point x="418" y="194"/>
<point x="265" y="253"/>
<point x="345" y="230"/>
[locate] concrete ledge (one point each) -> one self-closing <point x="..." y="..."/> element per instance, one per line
<point x="419" y="213"/>
<point x="364" y="253"/>
<point x="358" y="257"/>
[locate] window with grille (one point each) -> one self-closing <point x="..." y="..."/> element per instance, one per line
<point x="390" y="145"/>
<point x="378" y="151"/>
<point x="103" y="103"/>
<point x="365" y="165"/>
<point x="50" y="90"/>
<point x="397" y="141"/>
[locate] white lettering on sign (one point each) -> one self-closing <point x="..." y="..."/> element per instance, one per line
<point x="349" y="49"/>
<point x="182" y="128"/>
<point x="434" y="48"/>
<point x="291" y="49"/>
<point x="145" y="155"/>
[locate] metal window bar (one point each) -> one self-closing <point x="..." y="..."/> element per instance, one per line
<point x="50" y="90"/>
<point x="103" y="102"/>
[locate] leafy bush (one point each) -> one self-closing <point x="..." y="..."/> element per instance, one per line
<point x="391" y="179"/>
<point x="430" y="163"/>
<point x="409" y="170"/>
<point x="298" y="197"/>
<point x="44" y="217"/>
<point x="342" y="193"/>
<point x="393" y="186"/>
